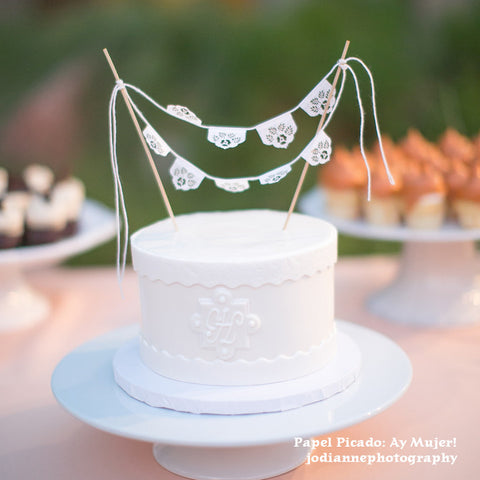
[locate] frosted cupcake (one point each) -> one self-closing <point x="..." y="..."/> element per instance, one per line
<point x="424" y="197"/>
<point x="418" y="147"/>
<point x="3" y="182"/>
<point x="38" y="179"/>
<point x="384" y="207"/>
<point x="70" y="193"/>
<point x="11" y="226"/>
<point x="466" y="202"/>
<point x="455" y="179"/>
<point x="456" y="146"/>
<point x="342" y="179"/>
<point x="45" y="221"/>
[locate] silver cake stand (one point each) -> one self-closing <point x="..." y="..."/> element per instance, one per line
<point x="230" y="447"/>
<point x="20" y="304"/>
<point x="437" y="282"/>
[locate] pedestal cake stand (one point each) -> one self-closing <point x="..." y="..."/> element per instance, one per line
<point x="20" y="305"/>
<point x="438" y="279"/>
<point x="230" y="447"/>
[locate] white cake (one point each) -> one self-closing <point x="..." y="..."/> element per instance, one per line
<point x="233" y="299"/>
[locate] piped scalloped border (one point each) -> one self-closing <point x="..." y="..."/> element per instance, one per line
<point x="239" y="371"/>
<point x="230" y="284"/>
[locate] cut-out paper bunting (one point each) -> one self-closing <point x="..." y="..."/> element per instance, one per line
<point x="186" y="176"/>
<point x="278" y="132"/>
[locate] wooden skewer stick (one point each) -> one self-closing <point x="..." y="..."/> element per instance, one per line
<point x="320" y="125"/>
<point x="144" y="143"/>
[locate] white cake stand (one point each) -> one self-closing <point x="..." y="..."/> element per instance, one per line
<point x="20" y="305"/>
<point x="230" y="447"/>
<point x="438" y="281"/>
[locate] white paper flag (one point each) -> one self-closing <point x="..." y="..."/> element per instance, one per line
<point x="183" y="113"/>
<point x="232" y="185"/>
<point x="314" y="103"/>
<point x="278" y="131"/>
<point x="318" y="150"/>
<point x="185" y="176"/>
<point x="275" y="175"/>
<point x="156" y="142"/>
<point x="226" y="137"/>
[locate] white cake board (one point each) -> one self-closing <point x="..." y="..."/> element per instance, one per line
<point x="437" y="282"/>
<point x="231" y="447"/>
<point x="141" y="383"/>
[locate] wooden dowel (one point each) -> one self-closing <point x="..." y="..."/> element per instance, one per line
<point x="142" y="139"/>
<point x="320" y="125"/>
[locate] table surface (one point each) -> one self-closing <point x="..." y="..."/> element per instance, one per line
<point x="39" y="440"/>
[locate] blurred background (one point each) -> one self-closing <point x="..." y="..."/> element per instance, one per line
<point x="232" y="62"/>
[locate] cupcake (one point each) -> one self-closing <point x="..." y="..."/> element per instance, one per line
<point x="466" y="202"/>
<point x="3" y="182"/>
<point x="11" y="226"/>
<point x="45" y="221"/>
<point x="418" y="147"/>
<point x="456" y="146"/>
<point x="455" y="179"/>
<point x="424" y="197"/>
<point x="70" y="193"/>
<point x="342" y="179"/>
<point x="38" y="179"/>
<point x="384" y="207"/>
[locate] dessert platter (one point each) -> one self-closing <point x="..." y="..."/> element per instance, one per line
<point x="40" y="230"/>
<point x="238" y="349"/>
<point x="241" y="447"/>
<point x="20" y="304"/>
<point x="437" y="282"/>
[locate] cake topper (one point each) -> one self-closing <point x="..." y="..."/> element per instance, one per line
<point x="278" y="132"/>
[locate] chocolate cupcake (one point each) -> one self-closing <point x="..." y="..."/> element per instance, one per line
<point x="70" y="193"/>
<point x="11" y="226"/>
<point x="45" y="221"/>
<point x="3" y="182"/>
<point x="38" y="179"/>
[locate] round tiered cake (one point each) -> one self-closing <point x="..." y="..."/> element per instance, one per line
<point x="233" y="299"/>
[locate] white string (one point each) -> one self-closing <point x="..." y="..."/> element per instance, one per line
<point x="377" y="127"/>
<point x="119" y="198"/>
<point x="362" y="124"/>
<point x="206" y="127"/>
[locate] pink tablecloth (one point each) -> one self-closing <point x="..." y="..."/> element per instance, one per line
<point x="39" y="440"/>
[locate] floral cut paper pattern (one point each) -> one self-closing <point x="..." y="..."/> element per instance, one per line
<point x="314" y="103"/>
<point x="156" y="142"/>
<point x="185" y="176"/>
<point x="226" y="137"/>
<point x="278" y="131"/>
<point x="318" y="151"/>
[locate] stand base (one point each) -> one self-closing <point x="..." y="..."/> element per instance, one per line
<point x="20" y="306"/>
<point x="437" y="285"/>
<point x="245" y="463"/>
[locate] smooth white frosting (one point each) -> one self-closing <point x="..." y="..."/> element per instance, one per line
<point x="38" y="178"/>
<point x="70" y="193"/>
<point x="45" y="214"/>
<point x="11" y="222"/>
<point x="3" y="181"/>
<point x="17" y="199"/>
<point x="233" y="299"/>
<point x="245" y="247"/>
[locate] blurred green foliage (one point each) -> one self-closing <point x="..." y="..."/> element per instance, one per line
<point x="239" y="66"/>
